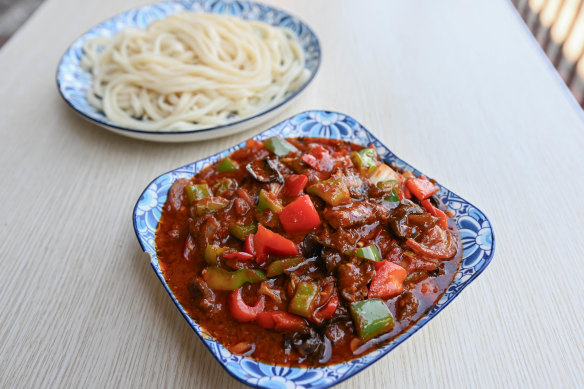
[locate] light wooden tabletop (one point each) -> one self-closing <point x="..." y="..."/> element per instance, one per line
<point x="457" y="88"/>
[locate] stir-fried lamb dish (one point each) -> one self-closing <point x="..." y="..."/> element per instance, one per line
<point x="306" y="251"/>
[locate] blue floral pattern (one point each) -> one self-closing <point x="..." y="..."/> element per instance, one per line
<point x="74" y="82"/>
<point x="477" y="239"/>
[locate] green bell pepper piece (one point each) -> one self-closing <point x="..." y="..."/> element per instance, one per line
<point x="221" y="279"/>
<point x="304" y="299"/>
<point x="267" y="200"/>
<point x="365" y="160"/>
<point x="370" y="252"/>
<point x="227" y="165"/>
<point x="393" y="197"/>
<point x="211" y="204"/>
<point x="241" y="232"/>
<point x="197" y="192"/>
<point x="390" y="186"/>
<point x="212" y="252"/>
<point x="333" y="191"/>
<point x="372" y="317"/>
<point x="224" y="185"/>
<point x="279" y="146"/>
<point x="281" y="265"/>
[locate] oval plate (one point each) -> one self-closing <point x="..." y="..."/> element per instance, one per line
<point x="74" y="82"/>
<point x="477" y="236"/>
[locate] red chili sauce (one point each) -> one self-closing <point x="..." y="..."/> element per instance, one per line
<point x="306" y="251"/>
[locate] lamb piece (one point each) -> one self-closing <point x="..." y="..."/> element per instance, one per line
<point x="434" y="243"/>
<point x="406" y="306"/>
<point x="203" y="296"/>
<point x="208" y="233"/>
<point x="408" y="220"/>
<point x="241" y="206"/>
<point x="331" y="259"/>
<point x="353" y="280"/>
<point x="176" y="194"/>
<point x="340" y="332"/>
<point x="425" y="264"/>
<point x="345" y="239"/>
<point x="355" y="214"/>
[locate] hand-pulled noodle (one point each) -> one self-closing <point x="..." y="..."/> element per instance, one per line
<point x="192" y="71"/>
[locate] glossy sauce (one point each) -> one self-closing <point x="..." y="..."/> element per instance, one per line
<point x="180" y="245"/>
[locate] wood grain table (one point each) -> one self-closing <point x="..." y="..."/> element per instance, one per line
<point x="457" y="88"/>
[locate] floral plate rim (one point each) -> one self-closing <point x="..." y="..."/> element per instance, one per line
<point x="476" y="233"/>
<point x="73" y="81"/>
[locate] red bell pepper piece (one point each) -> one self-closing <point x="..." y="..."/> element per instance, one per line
<point x="421" y="187"/>
<point x="239" y="256"/>
<point x="295" y="184"/>
<point x="240" y="310"/>
<point x="280" y="321"/>
<point x="299" y="216"/>
<point x="253" y="144"/>
<point x="248" y="245"/>
<point x="319" y="159"/>
<point x="388" y="281"/>
<point x="268" y="242"/>
<point x="432" y="210"/>
<point x="327" y="310"/>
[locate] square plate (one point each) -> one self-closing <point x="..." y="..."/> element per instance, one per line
<point x="477" y="237"/>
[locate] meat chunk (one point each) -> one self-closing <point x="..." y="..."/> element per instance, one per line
<point x="331" y="259"/>
<point x="406" y="306"/>
<point x="208" y="231"/>
<point x="435" y="243"/>
<point x="203" y="296"/>
<point x="241" y="206"/>
<point x="407" y="220"/>
<point x="355" y="214"/>
<point x="340" y="332"/>
<point x="176" y="194"/>
<point x="353" y="280"/>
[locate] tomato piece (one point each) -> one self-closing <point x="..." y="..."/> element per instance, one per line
<point x="299" y="216"/>
<point x="421" y="187"/>
<point x="242" y="312"/>
<point x="281" y="321"/>
<point x="239" y="256"/>
<point x="268" y="242"/>
<point x="248" y="244"/>
<point x="379" y="264"/>
<point x="295" y="184"/>
<point x="388" y="281"/>
<point x="319" y="159"/>
<point x="432" y="210"/>
<point x="327" y="310"/>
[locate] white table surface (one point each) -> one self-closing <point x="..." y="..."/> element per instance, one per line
<point x="457" y="88"/>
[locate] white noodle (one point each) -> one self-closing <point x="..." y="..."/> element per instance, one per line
<point x="191" y="71"/>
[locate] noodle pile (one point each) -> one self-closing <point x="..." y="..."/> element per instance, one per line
<point x="192" y="71"/>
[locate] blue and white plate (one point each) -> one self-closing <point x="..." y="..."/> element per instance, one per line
<point x="476" y="233"/>
<point x="73" y="81"/>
